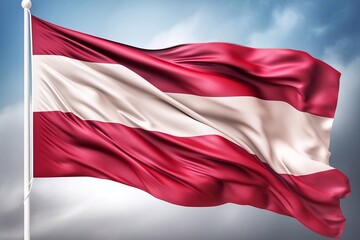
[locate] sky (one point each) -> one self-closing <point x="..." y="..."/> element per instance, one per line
<point x="87" y="208"/>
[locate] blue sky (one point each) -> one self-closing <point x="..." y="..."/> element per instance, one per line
<point x="89" y="209"/>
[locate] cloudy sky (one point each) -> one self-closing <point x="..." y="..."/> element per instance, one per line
<point x="85" y="208"/>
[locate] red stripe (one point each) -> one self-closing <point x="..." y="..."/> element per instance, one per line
<point x="207" y="69"/>
<point x="193" y="171"/>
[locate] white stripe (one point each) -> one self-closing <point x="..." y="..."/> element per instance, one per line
<point x="290" y="141"/>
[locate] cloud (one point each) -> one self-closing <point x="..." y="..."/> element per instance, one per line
<point x="320" y="30"/>
<point x="185" y="31"/>
<point x="11" y="131"/>
<point x="341" y="52"/>
<point x="11" y="188"/>
<point x="284" y="23"/>
<point x="347" y="116"/>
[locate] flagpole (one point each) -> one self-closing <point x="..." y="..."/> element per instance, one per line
<point x="26" y="4"/>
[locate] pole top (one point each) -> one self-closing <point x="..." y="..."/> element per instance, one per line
<point x="26" y="4"/>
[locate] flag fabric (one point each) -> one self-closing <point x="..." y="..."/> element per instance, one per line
<point x="195" y="125"/>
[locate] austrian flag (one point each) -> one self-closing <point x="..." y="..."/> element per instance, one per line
<point x="195" y="125"/>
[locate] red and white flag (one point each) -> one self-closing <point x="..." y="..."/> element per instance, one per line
<point x="195" y="125"/>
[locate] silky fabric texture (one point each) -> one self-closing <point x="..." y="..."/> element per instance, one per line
<point x="207" y="69"/>
<point x="296" y="144"/>
<point x="202" y="170"/>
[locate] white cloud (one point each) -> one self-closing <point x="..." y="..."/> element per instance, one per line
<point x="11" y="188"/>
<point x="185" y="31"/>
<point x="320" y="30"/>
<point x="333" y="54"/>
<point x="111" y="210"/>
<point x="345" y="118"/>
<point x="284" y="23"/>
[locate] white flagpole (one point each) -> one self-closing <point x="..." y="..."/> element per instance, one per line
<point x="26" y="4"/>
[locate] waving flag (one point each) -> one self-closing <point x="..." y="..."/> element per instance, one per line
<point x="195" y="125"/>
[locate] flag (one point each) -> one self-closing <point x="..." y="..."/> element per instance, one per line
<point x="195" y="125"/>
